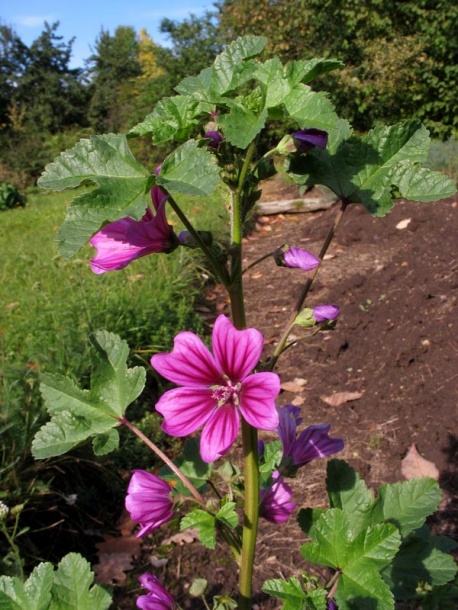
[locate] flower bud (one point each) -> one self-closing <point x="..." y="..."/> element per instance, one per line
<point x="325" y="313"/>
<point x="214" y="138"/>
<point x="296" y="257"/>
<point x="306" y="139"/>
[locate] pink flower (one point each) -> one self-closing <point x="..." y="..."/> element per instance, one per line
<point x="296" y="257"/>
<point x="312" y="443"/>
<point x="148" y="501"/>
<point x="325" y="313"/>
<point x="122" y="241"/>
<point x="275" y="502"/>
<point x="216" y="387"/>
<point x="157" y="598"/>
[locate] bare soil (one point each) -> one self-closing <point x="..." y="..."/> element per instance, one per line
<point x="396" y="343"/>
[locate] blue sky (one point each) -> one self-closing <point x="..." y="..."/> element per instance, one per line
<point x="83" y="19"/>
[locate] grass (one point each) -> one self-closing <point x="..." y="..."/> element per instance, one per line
<point x="50" y="305"/>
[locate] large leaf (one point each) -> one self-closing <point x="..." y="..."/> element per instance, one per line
<point x="407" y="504"/>
<point x="34" y="594"/>
<point x="121" y="179"/>
<point x="305" y="70"/>
<point x="172" y="119"/>
<point x="294" y="597"/>
<point x="310" y="109"/>
<point x="242" y="125"/>
<point x="191" y="169"/>
<point x="373" y="169"/>
<point x="78" y="414"/>
<point x="73" y="588"/>
<point x="420" y="558"/>
<point x="359" y="558"/>
<point x="231" y="68"/>
<point x="349" y="493"/>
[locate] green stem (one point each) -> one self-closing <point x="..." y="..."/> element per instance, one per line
<point x="262" y="258"/>
<point x="164" y="458"/>
<point x="249" y="434"/>
<point x="219" y="271"/>
<point x="306" y="288"/>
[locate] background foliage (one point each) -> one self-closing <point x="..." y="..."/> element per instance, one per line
<point x="401" y="60"/>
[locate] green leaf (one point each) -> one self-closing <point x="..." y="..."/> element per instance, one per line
<point x="420" y="558"/>
<point x="196" y="85"/>
<point x="228" y="515"/>
<point x="105" y="443"/>
<point x="308" y="518"/>
<point x="310" y="109"/>
<point x="73" y="589"/>
<point x="173" y="118"/>
<point x="349" y="493"/>
<point x="273" y="452"/>
<point x="305" y="70"/>
<point x="359" y="558"/>
<point x="191" y="465"/>
<point x="107" y="161"/>
<point x="294" y="597"/>
<point x="190" y="169"/>
<point x="231" y="69"/>
<point x="34" y="594"/>
<point x="373" y="169"/>
<point x="407" y="504"/>
<point x="76" y="414"/>
<point x="240" y="126"/>
<point x="441" y="598"/>
<point x="205" y="525"/>
<point x="275" y="86"/>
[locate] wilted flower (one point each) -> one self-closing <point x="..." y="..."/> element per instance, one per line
<point x="122" y="241"/>
<point x="148" y="501"/>
<point x="325" y="313"/>
<point x="296" y="257"/>
<point x="217" y="387"/>
<point x="312" y="443"/>
<point x="275" y="503"/>
<point x="306" y="139"/>
<point x="157" y="598"/>
<point x="214" y="138"/>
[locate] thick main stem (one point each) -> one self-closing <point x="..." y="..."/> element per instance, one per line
<point x="249" y="434"/>
<point x="306" y="288"/>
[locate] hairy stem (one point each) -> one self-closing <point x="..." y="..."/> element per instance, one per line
<point x="249" y="434"/>
<point x="306" y="288"/>
<point x="149" y="443"/>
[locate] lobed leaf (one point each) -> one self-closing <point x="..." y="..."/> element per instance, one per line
<point x="122" y="181"/>
<point x="73" y="588"/>
<point x="205" y="525"/>
<point x="190" y="169"/>
<point x="78" y="414"/>
<point x="294" y="597"/>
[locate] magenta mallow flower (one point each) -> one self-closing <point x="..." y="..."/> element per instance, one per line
<point x="157" y="598"/>
<point x="214" y="138"/>
<point x="217" y="387"/>
<point x="275" y="503"/>
<point x="306" y="139"/>
<point x="122" y="241"/>
<point x="296" y="257"/>
<point x="148" y="501"/>
<point x="325" y="313"/>
<point x="312" y="443"/>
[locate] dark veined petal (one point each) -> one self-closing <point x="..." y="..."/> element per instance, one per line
<point x="236" y="351"/>
<point x="219" y="433"/>
<point x="189" y="364"/>
<point x="257" y="400"/>
<point x="185" y="409"/>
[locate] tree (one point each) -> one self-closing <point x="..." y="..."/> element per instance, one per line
<point x="14" y="56"/>
<point x="400" y="57"/>
<point x="112" y="67"/>
<point x="51" y="95"/>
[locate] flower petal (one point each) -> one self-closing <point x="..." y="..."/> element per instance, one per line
<point x="314" y="442"/>
<point x="189" y="364"/>
<point x="219" y="433"/>
<point x="185" y="409"/>
<point x="323" y="313"/>
<point x="287" y="427"/>
<point x="236" y="351"/>
<point x="257" y="400"/>
<point x="300" y="258"/>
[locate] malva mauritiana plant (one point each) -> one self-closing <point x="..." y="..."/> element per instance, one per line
<point x="376" y="548"/>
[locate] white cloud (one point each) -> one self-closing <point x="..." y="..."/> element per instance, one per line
<point x="34" y="21"/>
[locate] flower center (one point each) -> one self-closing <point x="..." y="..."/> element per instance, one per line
<point x="227" y="394"/>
